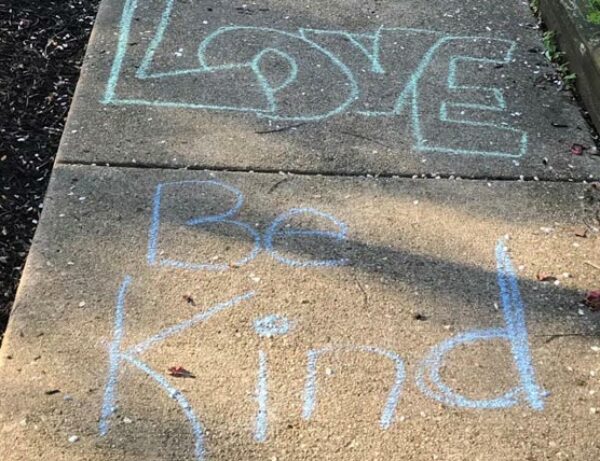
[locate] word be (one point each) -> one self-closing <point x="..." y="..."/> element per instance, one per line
<point x="311" y="75"/>
<point x="277" y="231"/>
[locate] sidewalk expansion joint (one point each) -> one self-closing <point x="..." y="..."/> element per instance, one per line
<point x="326" y="173"/>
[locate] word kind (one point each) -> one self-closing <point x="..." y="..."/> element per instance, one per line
<point x="428" y="379"/>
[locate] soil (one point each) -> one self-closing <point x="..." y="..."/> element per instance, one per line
<point x="42" y="44"/>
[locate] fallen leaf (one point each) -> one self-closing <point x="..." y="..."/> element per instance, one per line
<point x="188" y="299"/>
<point x="592" y="300"/>
<point x="577" y="149"/>
<point x="543" y="277"/>
<point x="179" y="372"/>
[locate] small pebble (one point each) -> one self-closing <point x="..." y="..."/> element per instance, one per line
<point x="73" y="439"/>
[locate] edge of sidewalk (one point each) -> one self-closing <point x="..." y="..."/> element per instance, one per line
<point x="580" y="40"/>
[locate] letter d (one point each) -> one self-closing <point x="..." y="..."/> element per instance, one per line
<point x="515" y="332"/>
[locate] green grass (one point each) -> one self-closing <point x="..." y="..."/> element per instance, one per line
<point x="593" y="15"/>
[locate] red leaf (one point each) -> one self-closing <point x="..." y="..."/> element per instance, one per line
<point x="592" y="300"/>
<point x="577" y="149"/>
<point x="543" y="277"/>
<point x="179" y="372"/>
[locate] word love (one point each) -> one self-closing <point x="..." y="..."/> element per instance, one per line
<point x="311" y="75"/>
<point x="428" y="377"/>
<point x="277" y="233"/>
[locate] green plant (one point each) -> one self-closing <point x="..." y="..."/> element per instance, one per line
<point x="556" y="56"/>
<point x="593" y="14"/>
<point x="550" y="44"/>
<point x="568" y="77"/>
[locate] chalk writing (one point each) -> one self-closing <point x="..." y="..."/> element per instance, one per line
<point x="269" y="327"/>
<point x="310" y="388"/>
<point x="515" y="332"/>
<point x="279" y="231"/>
<point x="371" y="74"/>
<point x="272" y="325"/>
<point x="262" y="394"/>
<point x="223" y="218"/>
<point x="117" y="356"/>
<point x="114" y="358"/>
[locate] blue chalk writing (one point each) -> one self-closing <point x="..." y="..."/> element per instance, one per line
<point x="358" y="40"/>
<point x="300" y="51"/>
<point x="514" y="316"/>
<point x="222" y="218"/>
<point x="428" y="377"/>
<point x="515" y="332"/>
<point x="262" y="395"/>
<point x="516" y="137"/>
<point x="108" y="405"/>
<point x="182" y="326"/>
<point x="117" y="356"/>
<point x="124" y="32"/>
<point x="270" y="110"/>
<point x="269" y="326"/>
<point x="177" y="395"/>
<point x="272" y="325"/>
<point x="274" y="231"/>
<point x="269" y="90"/>
<point x="310" y="387"/>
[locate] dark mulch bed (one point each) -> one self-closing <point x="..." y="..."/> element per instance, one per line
<point x="42" y="44"/>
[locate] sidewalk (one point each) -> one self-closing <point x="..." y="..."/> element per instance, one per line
<point x="187" y="298"/>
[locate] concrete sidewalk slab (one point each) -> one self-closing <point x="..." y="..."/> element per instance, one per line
<point x="450" y="88"/>
<point x="315" y="313"/>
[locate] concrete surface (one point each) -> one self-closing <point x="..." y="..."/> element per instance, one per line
<point x="321" y="316"/>
<point x="439" y="88"/>
<point x="364" y="276"/>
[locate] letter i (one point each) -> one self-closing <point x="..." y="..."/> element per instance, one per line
<point x="268" y="327"/>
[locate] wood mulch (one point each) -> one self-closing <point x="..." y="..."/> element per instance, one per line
<point x="42" y="44"/>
